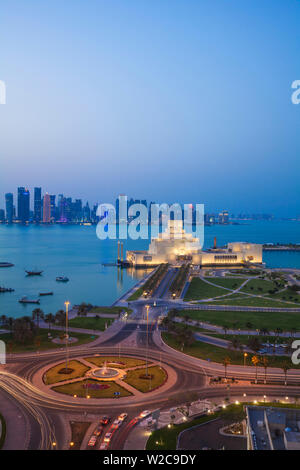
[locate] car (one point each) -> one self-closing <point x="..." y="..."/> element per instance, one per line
<point x="122" y="416"/>
<point x="107" y="437"/>
<point x="92" y="441"/>
<point x="116" y="424"/>
<point x="98" y="431"/>
<point x="105" y="420"/>
<point x="103" y="446"/>
<point x="144" y="413"/>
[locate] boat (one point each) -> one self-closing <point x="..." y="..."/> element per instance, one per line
<point x="6" y="265"/>
<point x="6" y="289"/>
<point x="62" y="279"/>
<point x="34" y="273"/>
<point x="45" y="293"/>
<point x="24" y="300"/>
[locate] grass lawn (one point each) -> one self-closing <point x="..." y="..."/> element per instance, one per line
<point x="123" y="362"/>
<point x="288" y="295"/>
<point x="166" y="438"/>
<point x="215" y="354"/>
<point x="244" y="338"/>
<point x="248" y="301"/>
<point x="90" y="323"/>
<point x="53" y="375"/>
<point x="78" y="430"/>
<point x="199" y="289"/>
<point x="143" y="385"/>
<point x="3" y="431"/>
<point x="77" y="388"/>
<point x="270" y="320"/>
<point x="229" y="283"/>
<point x="44" y="342"/>
<point x="137" y="294"/>
<point x="257" y="286"/>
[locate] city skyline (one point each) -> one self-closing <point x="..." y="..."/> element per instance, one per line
<point x="49" y="208"/>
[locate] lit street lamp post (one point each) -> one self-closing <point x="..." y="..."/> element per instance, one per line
<point x="67" y="303"/>
<point x="147" y="308"/>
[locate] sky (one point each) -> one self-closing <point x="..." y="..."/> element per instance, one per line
<point x="168" y="100"/>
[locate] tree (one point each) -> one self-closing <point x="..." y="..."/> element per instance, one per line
<point x="226" y="363"/>
<point x="265" y="362"/>
<point x="225" y="329"/>
<point x="49" y="318"/>
<point x="255" y="362"/>
<point x="285" y="367"/>
<point x="37" y="314"/>
<point x="60" y="317"/>
<point x="249" y="326"/>
<point x="235" y="343"/>
<point x="254" y="343"/>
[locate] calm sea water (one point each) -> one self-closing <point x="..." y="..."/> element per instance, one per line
<point x="76" y="252"/>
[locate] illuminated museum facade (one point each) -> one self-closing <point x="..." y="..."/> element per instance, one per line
<point x="176" y="245"/>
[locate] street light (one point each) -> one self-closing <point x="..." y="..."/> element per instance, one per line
<point x="147" y="308"/>
<point x="67" y="303"/>
<point x="245" y="356"/>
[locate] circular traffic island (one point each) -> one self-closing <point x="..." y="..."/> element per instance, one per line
<point x="105" y="377"/>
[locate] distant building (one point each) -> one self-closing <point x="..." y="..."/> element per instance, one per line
<point x="23" y="204"/>
<point x="9" y="206"/>
<point x="47" y="209"/>
<point x="273" y="428"/>
<point x="37" y="214"/>
<point x="209" y="219"/>
<point x="175" y="245"/>
<point x="223" y="217"/>
<point x="52" y="207"/>
<point x="2" y="216"/>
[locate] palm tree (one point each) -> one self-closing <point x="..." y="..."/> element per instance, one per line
<point x="265" y="362"/>
<point x="225" y="329"/>
<point x="255" y="362"/>
<point x="285" y="367"/>
<point x="249" y="326"/>
<point x="49" y="318"/>
<point x="10" y="323"/>
<point x="235" y="343"/>
<point x="60" y="317"/>
<point x="264" y="331"/>
<point x="3" y="319"/>
<point x="37" y="314"/>
<point x="226" y="363"/>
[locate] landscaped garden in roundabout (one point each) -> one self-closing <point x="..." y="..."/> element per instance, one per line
<point x="105" y="377"/>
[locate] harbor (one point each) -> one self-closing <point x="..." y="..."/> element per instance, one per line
<point x="75" y="252"/>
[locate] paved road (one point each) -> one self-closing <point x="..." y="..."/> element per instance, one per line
<point x="44" y="410"/>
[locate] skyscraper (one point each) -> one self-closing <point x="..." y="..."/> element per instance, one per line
<point x="37" y="205"/>
<point x="52" y="207"/>
<point x="46" y="209"/>
<point x="9" y="204"/>
<point x="23" y="204"/>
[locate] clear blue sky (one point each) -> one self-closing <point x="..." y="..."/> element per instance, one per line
<point x="169" y="100"/>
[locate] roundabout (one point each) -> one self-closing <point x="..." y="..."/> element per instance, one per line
<point x="105" y="377"/>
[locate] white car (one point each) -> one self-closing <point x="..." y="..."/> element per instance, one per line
<point x="122" y="416"/>
<point x="144" y="413"/>
<point x="107" y="437"/>
<point x="116" y="424"/>
<point x="103" y="446"/>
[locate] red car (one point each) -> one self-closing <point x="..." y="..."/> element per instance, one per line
<point x="105" y="420"/>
